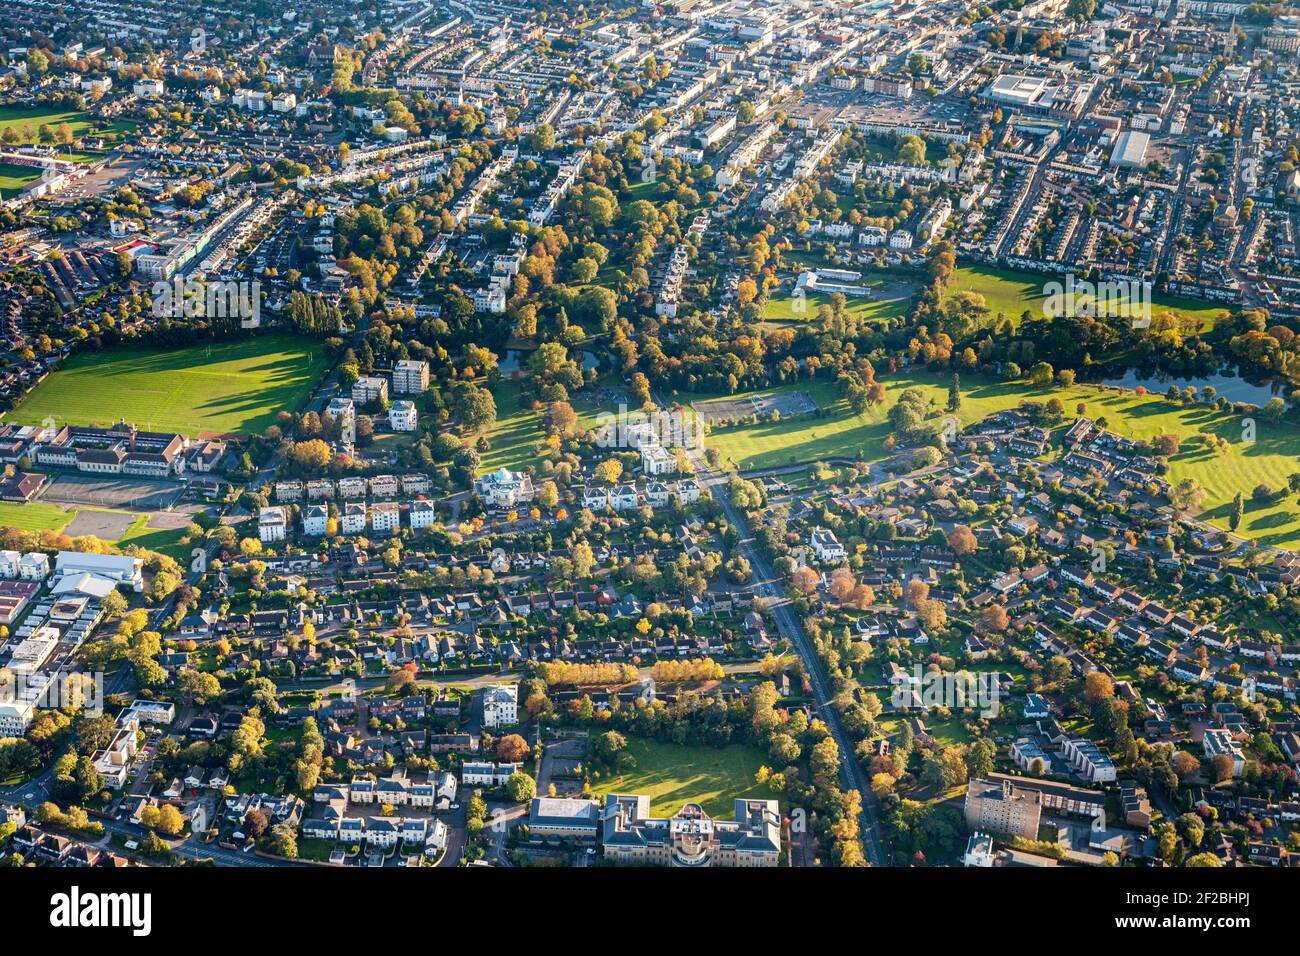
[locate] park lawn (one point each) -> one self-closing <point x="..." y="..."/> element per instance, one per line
<point x="672" y="775"/>
<point x="808" y="438"/>
<point x="782" y="309"/>
<point x="164" y="540"/>
<point x="34" y="516"/>
<point x="1011" y="292"/>
<point x="40" y="516"/>
<point x="21" y="118"/>
<point x="515" y="441"/>
<point x="13" y="178"/>
<point x="226" y="387"/>
<point x="1273" y="456"/>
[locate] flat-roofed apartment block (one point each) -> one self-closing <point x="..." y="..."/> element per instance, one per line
<point x="690" y="838"/>
<point x="410" y="376"/>
<point x="1001" y="807"/>
<point x="1058" y="797"/>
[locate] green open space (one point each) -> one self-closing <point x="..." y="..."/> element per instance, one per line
<point x="1269" y="459"/>
<point x="672" y="775"/>
<point x="223" y="387"/>
<point x="13" y="178"/>
<point x="27" y="120"/>
<point x="893" y="302"/>
<point x="40" y="516"/>
<point x="517" y="439"/>
<point x="1012" y="292"/>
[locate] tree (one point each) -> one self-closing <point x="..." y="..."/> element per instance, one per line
<point x="979" y="758"/>
<point x="255" y="823"/>
<point x="1187" y="495"/>
<point x="1098" y="686"/>
<point x="283" y="841"/>
<point x="474" y="407"/>
<point x="610" y="744"/>
<point x="1185" y="765"/>
<point x="962" y="540"/>
<point x="313" y="455"/>
<point x="610" y="470"/>
<point x="1238" y="512"/>
<point x="584" y="561"/>
<point x="954" y="393"/>
<point x="170" y="820"/>
<point x="995" y="618"/>
<point x="512" y="748"/>
<point x="197" y="687"/>
<point x="521" y="787"/>
<point x="1167" y="445"/>
<point x="1041" y="374"/>
<point x="911" y="150"/>
<point x="1223" y="767"/>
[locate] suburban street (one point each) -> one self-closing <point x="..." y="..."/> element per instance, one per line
<point x="767" y="585"/>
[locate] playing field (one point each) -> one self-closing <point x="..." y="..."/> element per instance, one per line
<point x="671" y="776"/>
<point x="1270" y="459"/>
<point x="34" y="516"/>
<point x="13" y="178"/>
<point x="116" y="527"/>
<point x="1012" y="293"/>
<point x="891" y="298"/>
<point x="235" y="387"/>
<point x="28" y="120"/>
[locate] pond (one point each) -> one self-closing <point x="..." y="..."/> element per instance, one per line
<point x="516" y="360"/>
<point x="1226" y="382"/>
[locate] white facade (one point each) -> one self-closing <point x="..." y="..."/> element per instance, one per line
<point x="486" y="774"/>
<point x="423" y="514"/>
<point x="385" y="517"/>
<point x="403" y="416"/>
<point x="353" y="519"/>
<point x="315" y="521"/>
<point x="501" y="705"/>
<point x="271" y="524"/>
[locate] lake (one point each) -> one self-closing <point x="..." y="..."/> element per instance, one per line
<point x="1226" y="383"/>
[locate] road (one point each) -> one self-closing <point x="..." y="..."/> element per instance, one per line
<point x="768" y="586"/>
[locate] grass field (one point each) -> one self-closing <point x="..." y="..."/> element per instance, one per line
<point x="13" y="178"/>
<point x="518" y="435"/>
<point x="225" y="387"/>
<point x="1270" y="459"/>
<point x="34" y="516"/>
<point x="895" y="298"/>
<point x="28" y="120"/>
<point x="40" y="516"/>
<point x="782" y="309"/>
<point x="1011" y="293"/>
<point x="671" y="776"/>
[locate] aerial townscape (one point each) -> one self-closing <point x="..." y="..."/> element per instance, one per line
<point x="612" y="434"/>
